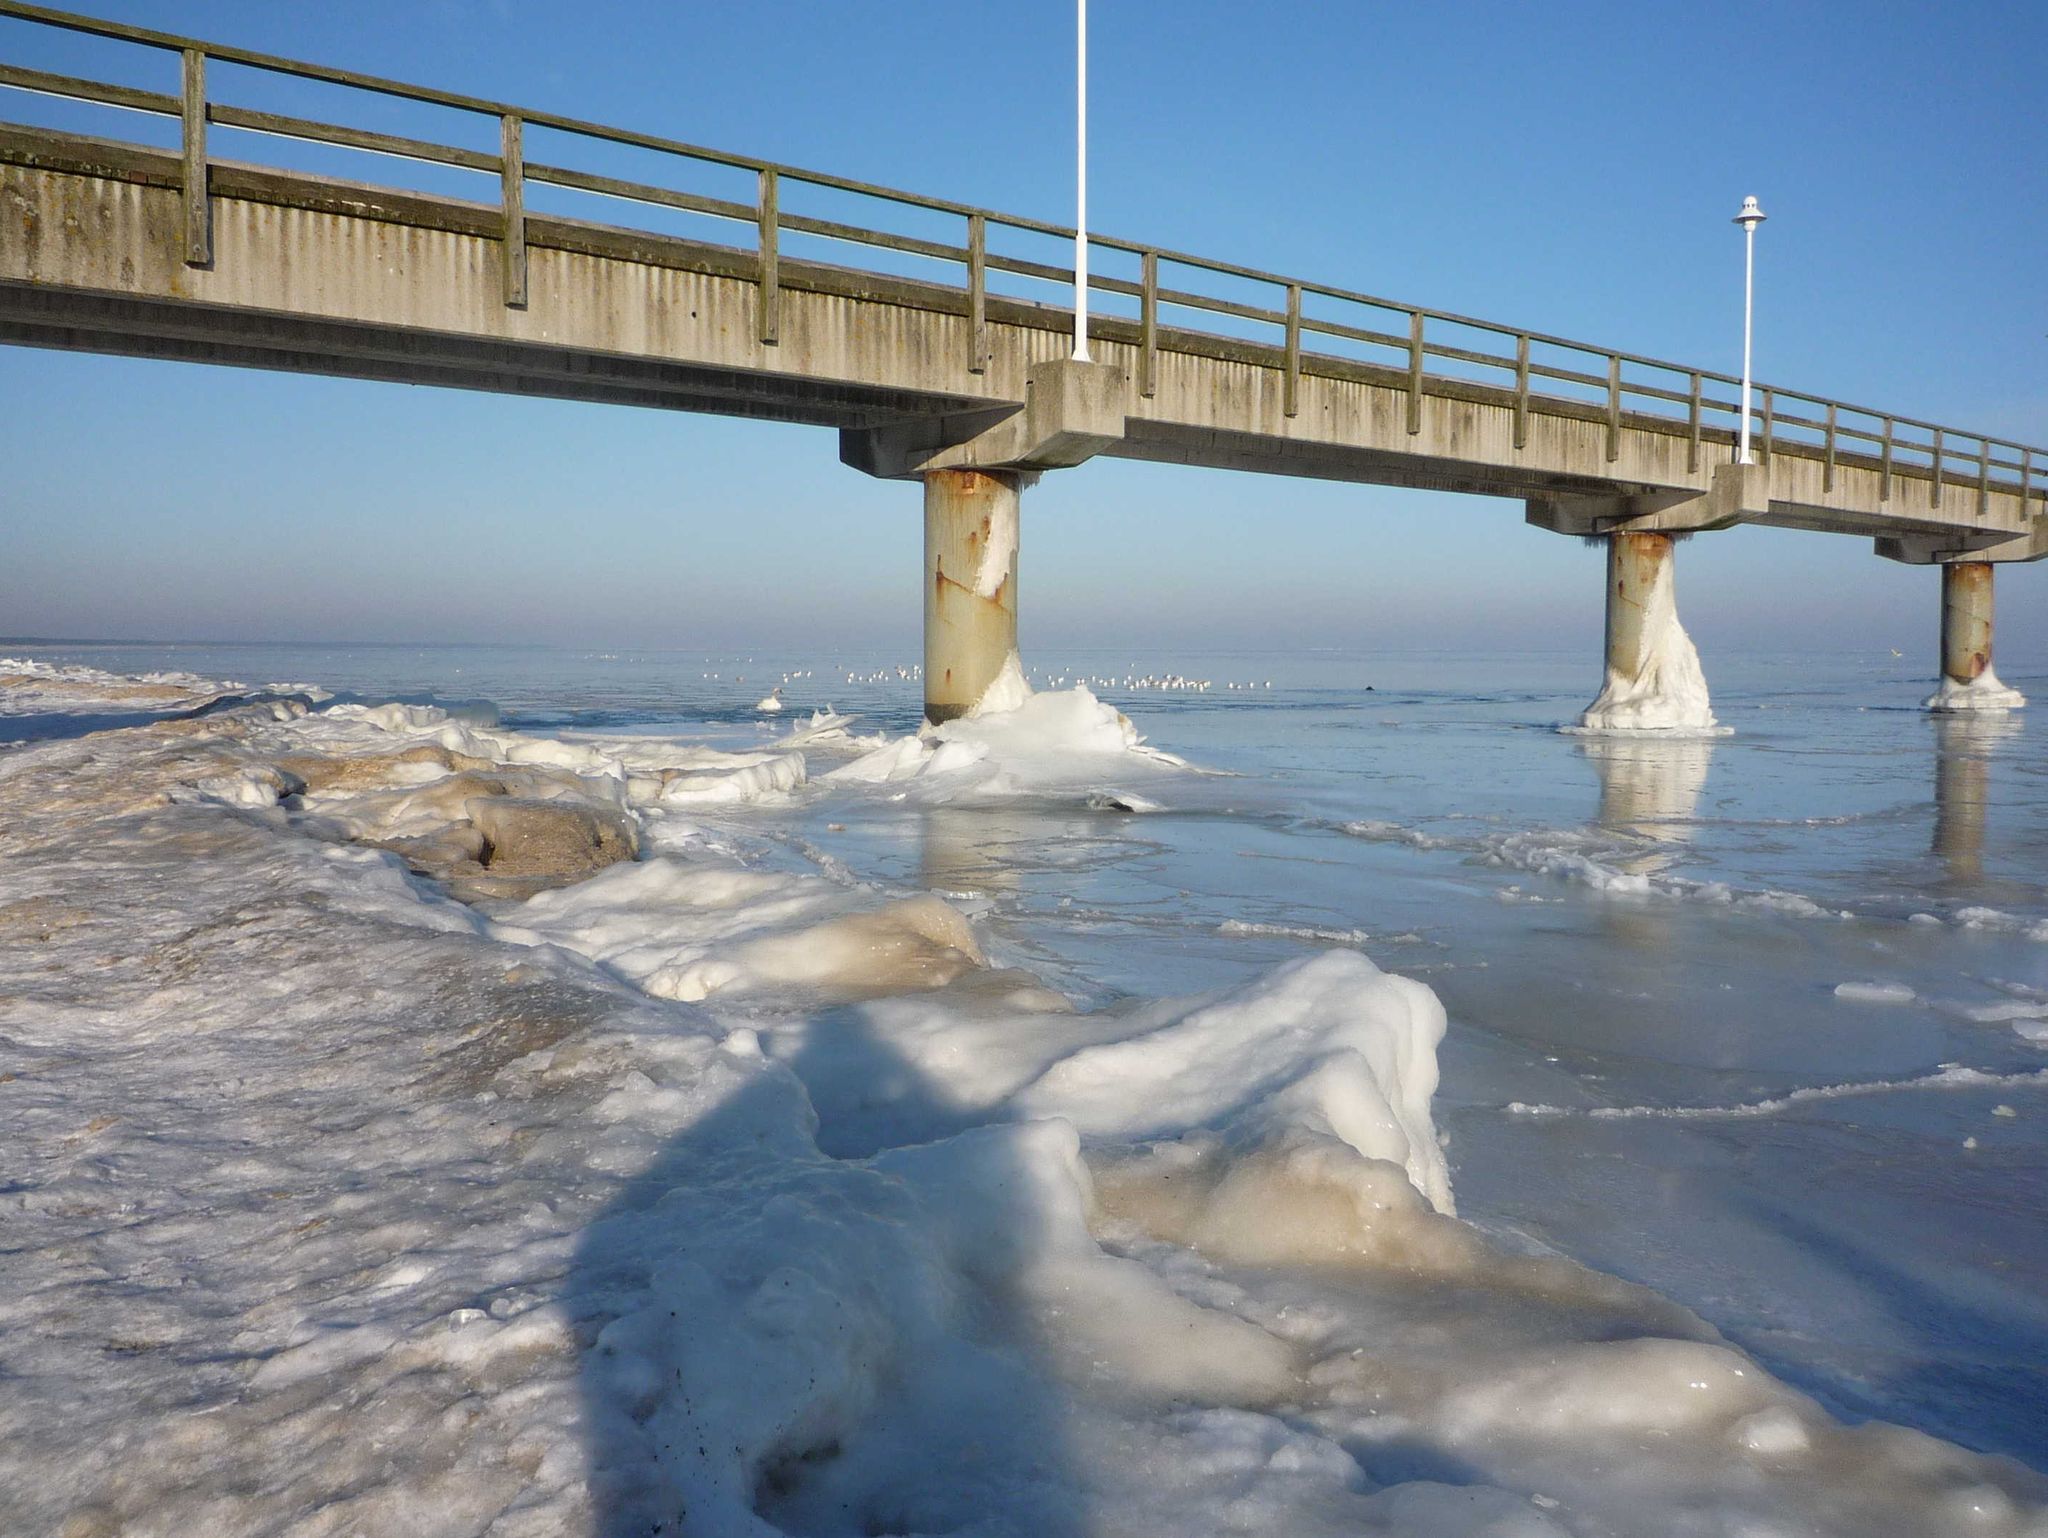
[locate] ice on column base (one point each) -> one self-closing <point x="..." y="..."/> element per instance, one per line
<point x="1654" y="683"/>
<point x="1984" y="692"/>
<point x="1667" y="693"/>
<point x="1007" y="691"/>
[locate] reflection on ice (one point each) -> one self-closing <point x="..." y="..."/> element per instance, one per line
<point x="1965" y="742"/>
<point x="1649" y="788"/>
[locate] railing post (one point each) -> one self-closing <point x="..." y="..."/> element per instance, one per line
<point x="771" y="275"/>
<point x="1415" y="371"/>
<point x="1983" y="475"/>
<point x="512" y="197"/>
<point x="1522" y="391"/>
<point x="1692" y="411"/>
<point x="2026" y="479"/>
<point x="1148" y="321"/>
<point x="1884" y="480"/>
<point x="1764" y="441"/>
<point x="1827" y="463"/>
<point x="977" y="294"/>
<point x="1291" y="391"/>
<point x="198" y="233"/>
<point x="1613" y="407"/>
<point x="1934" y="481"/>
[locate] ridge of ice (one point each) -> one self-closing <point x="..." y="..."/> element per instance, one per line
<point x="1545" y="852"/>
<point x="1949" y="1077"/>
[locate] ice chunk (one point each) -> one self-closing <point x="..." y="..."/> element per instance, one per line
<point x="1875" y="993"/>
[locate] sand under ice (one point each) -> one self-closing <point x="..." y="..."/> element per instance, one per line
<point x="336" y="1205"/>
<point x="1984" y="692"/>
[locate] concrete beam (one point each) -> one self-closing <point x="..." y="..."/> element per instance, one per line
<point x="375" y="281"/>
<point x="1071" y="412"/>
<point x="1737" y="494"/>
<point x="1942" y="549"/>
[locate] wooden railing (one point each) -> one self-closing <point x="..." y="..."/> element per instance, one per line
<point x="1528" y="366"/>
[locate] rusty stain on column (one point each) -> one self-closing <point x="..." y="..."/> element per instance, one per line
<point x="970" y="585"/>
<point x="1634" y="563"/>
<point x="1965" y="619"/>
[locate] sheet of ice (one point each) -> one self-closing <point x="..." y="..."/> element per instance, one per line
<point x="335" y="1205"/>
<point x="1669" y="692"/>
<point x="1984" y="692"/>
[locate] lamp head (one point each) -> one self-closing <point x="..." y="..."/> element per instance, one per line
<point x="1751" y="215"/>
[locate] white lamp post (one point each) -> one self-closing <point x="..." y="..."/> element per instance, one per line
<point x="1081" y="181"/>
<point x="1750" y="217"/>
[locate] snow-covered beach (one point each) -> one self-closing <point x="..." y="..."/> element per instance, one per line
<point x="431" y="1121"/>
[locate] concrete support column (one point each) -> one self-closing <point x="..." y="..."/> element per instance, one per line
<point x="970" y="584"/>
<point x="1965" y="620"/>
<point x="1638" y="589"/>
<point x="1654" y="682"/>
<point x="1967" y="679"/>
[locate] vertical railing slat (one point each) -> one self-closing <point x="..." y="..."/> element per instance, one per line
<point x="1884" y="478"/>
<point x="1415" y="371"/>
<point x="1764" y="439"/>
<point x="1934" y="478"/>
<point x="771" y="274"/>
<point x="198" y="229"/>
<point x="1522" y="391"/>
<point x="1290" y="404"/>
<point x="977" y="294"/>
<point x="512" y="199"/>
<point x="1148" y="319"/>
<point x="1983" y="475"/>
<point x="1613" y="407"/>
<point x="1827" y="466"/>
<point x="1692" y="448"/>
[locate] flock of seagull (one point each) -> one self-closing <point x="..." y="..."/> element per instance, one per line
<point x="1129" y="683"/>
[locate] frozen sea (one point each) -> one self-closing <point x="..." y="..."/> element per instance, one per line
<point x="1759" y="1022"/>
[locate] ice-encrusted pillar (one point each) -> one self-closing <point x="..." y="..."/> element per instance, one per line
<point x="1967" y="680"/>
<point x="1654" y="681"/>
<point x="970" y="585"/>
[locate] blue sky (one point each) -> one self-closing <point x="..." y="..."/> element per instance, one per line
<point x="1570" y="168"/>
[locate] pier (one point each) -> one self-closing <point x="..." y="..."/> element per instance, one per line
<point x="937" y="357"/>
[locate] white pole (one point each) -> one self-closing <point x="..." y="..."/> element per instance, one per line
<point x="1081" y="182"/>
<point x="1748" y="298"/>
